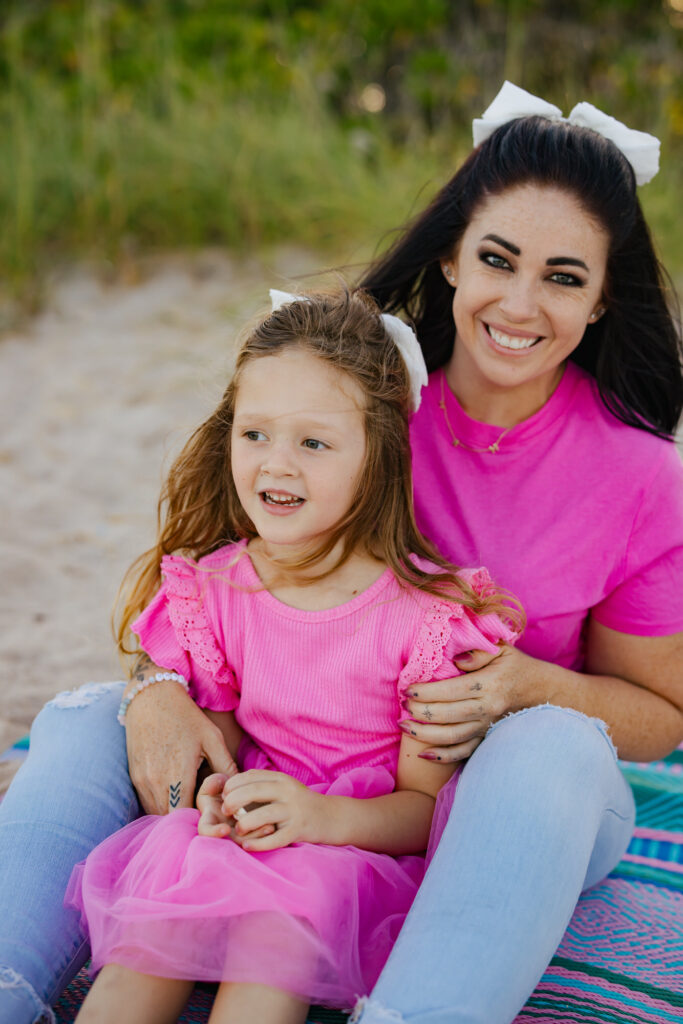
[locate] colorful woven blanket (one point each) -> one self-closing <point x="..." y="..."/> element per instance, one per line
<point x="621" y="959"/>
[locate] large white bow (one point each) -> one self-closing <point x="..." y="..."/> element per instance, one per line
<point x="640" y="149"/>
<point x="402" y="336"/>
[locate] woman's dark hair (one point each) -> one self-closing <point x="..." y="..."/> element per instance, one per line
<point x="634" y="350"/>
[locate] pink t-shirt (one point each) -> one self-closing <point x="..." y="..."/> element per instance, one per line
<point x="575" y="513"/>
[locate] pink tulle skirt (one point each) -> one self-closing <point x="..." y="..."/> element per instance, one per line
<point x="317" y="921"/>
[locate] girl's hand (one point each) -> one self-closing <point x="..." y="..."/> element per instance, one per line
<point x="454" y="714"/>
<point x="292" y="812"/>
<point x="212" y="820"/>
<point x="168" y="737"/>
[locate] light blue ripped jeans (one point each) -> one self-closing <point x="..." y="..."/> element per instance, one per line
<point x="72" y="791"/>
<point x="541" y="811"/>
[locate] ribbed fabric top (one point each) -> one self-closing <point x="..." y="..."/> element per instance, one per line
<point x="319" y="693"/>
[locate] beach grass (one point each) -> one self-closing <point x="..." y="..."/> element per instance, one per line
<point x="115" y="142"/>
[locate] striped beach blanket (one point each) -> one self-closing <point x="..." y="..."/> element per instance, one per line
<point x="621" y="959"/>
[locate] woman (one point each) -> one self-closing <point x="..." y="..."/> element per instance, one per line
<point x="535" y="291"/>
<point x="543" y="432"/>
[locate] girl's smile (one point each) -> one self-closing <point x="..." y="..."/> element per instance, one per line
<point x="528" y="278"/>
<point x="298" y="447"/>
<point x="280" y="503"/>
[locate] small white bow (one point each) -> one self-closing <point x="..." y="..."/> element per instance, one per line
<point x="402" y="336"/>
<point x="640" y="149"/>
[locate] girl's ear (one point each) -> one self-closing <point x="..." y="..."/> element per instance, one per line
<point x="448" y="271"/>
<point x="596" y="314"/>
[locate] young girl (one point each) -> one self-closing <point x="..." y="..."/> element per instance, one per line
<point x="301" y="639"/>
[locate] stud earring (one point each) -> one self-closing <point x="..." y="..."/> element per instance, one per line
<point x="596" y="313"/>
<point x="447" y="271"/>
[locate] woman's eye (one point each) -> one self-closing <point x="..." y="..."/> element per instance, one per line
<point x="254" y="435"/>
<point x="316" y="446"/>
<point x="570" y="280"/>
<point x="494" y="259"/>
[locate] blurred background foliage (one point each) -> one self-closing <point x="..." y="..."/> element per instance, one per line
<point x="133" y="126"/>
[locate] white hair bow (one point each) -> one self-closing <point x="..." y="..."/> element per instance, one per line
<point x="402" y="336"/>
<point x="640" y="149"/>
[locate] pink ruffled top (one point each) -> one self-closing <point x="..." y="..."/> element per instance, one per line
<point x="318" y="693"/>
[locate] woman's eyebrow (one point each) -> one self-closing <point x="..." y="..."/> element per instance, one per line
<point x="556" y="261"/>
<point x="501" y="241"/>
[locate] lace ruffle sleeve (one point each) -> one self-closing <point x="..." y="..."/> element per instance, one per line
<point x="450" y="629"/>
<point x="176" y="632"/>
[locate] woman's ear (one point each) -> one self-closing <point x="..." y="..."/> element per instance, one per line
<point x="448" y="271"/>
<point x="596" y="314"/>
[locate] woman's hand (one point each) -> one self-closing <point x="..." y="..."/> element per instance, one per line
<point x="168" y="737"/>
<point x="288" y="809"/>
<point x="453" y="715"/>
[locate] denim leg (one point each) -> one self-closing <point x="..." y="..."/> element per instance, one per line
<point x="72" y="791"/>
<point x="541" y="812"/>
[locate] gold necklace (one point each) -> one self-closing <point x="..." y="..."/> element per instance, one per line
<point x="457" y="443"/>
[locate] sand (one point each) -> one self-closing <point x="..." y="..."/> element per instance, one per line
<point x="96" y="393"/>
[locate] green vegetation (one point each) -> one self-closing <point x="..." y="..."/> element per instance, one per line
<point x="139" y="125"/>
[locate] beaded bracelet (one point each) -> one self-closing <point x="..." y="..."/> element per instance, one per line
<point x="139" y="687"/>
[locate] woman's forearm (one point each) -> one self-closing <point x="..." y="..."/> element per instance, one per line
<point x="643" y="725"/>
<point x="396" y="823"/>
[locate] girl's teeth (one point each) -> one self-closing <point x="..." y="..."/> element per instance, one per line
<point x="509" y="342"/>
<point x="277" y="499"/>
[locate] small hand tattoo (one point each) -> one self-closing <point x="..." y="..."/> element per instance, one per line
<point x="427" y="713"/>
<point x="174" y="795"/>
<point x="475" y="686"/>
<point x="141" y="665"/>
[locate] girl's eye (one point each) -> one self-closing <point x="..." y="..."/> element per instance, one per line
<point x="568" y="280"/>
<point x="494" y="259"/>
<point x="254" y="435"/>
<point x="315" y="446"/>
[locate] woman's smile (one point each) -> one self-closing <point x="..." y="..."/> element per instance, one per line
<point x="511" y="340"/>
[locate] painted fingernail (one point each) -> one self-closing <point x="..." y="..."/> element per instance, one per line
<point x="405" y="726"/>
<point x="428" y="756"/>
<point x="412" y="693"/>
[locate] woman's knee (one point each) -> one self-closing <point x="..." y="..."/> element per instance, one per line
<point x="80" y="720"/>
<point x="547" y="736"/>
<point x="77" y="751"/>
<point x="554" y="758"/>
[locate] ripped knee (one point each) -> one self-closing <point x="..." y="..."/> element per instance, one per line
<point x="370" y="1011"/>
<point x="84" y="695"/>
<point x="13" y="984"/>
<point x="555" y="722"/>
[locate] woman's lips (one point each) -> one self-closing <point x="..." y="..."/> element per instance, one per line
<point x="512" y="342"/>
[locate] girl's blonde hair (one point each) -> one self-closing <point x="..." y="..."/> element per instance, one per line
<point x="199" y="510"/>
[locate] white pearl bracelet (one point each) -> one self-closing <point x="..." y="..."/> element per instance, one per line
<point x="159" y="677"/>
